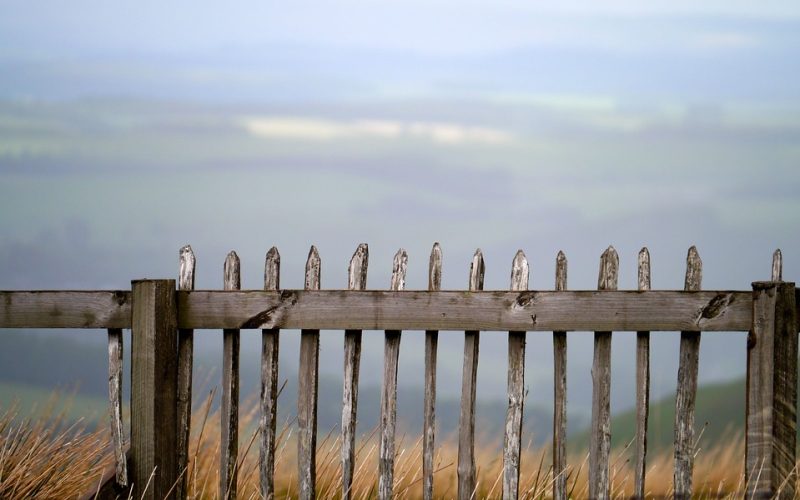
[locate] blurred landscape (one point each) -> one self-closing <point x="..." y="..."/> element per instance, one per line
<point x="126" y="133"/>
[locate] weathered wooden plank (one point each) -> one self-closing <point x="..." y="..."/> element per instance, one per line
<point x="270" y="342"/>
<point x="469" y="378"/>
<point x="724" y="311"/>
<point x="186" y="269"/>
<point x="391" y="355"/>
<point x="356" y="280"/>
<point x="560" y="394"/>
<point x="431" y="344"/>
<point x="229" y="409"/>
<point x="600" y="443"/>
<point x="65" y="309"/>
<point x="642" y="385"/>
<point x="512" y="444"/>
<point x="687" y="389"/>
<point x="771" y="420"/>
<point x="115" y="404"/>
<point x="307" y="391"/>
<point x="154" y="380"/>
<point x="777" y="265"/>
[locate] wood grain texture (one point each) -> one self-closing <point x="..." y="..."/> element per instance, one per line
<point x="466" y="421"/>
<point x="154" y="380"/>
<point x="431" y="347"/>
<point x="270" y="342"/>
<point x="560" y="394"/>
<point x="229" y="408"/>
<point x="642" y="385"/>
<point x="391" y="356"/>
<point x="512" y="443"/>
<point x="722" y="311"/>
<point x="686" y="391"/>
<point x="771" y="421"/>
<point x="115" y="404"/>
<point x="356" y="280"/>
<point x="65" y="309"/>
<point x="600" y="441"/>
<point x="307" y="391"/>
<point x="777" y="265"/>
<point x="186" y="270"/>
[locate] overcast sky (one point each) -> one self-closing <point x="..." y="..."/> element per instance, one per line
<point x="126" y="132"/>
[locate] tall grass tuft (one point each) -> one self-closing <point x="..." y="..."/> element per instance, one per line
<point x="41" y="456"/>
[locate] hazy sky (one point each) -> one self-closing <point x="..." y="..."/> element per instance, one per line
<point x="126" y="132"/>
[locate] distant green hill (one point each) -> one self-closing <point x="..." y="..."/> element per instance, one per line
<point x="719" y="413"/>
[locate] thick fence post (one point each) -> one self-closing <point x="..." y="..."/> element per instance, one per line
<point x="154" y="378"/>
<point x="771" y="392"/>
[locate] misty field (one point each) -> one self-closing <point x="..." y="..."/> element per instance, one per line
<point x="42" y="456"/>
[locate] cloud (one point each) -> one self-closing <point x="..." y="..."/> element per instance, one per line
<point x="314" y="129"/>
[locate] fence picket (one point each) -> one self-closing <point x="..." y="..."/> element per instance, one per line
<point x="115" y="403"/>
<point x="600" y="446"/>
<point x="431" y="344"/>
<point x="229" y="411"/>
<point x="466" y="421"/>
<point x="186" y="271"/>
<point x="389" y="388"/>
<point x="642" y="384"/>
<point x="356" y="280"/>
<point x="270" y="342"/>
<point x="307" y="387"/>
<point x="560" y="394"/>
<point x="516" y="388"/>
<point x="687" y="388"/>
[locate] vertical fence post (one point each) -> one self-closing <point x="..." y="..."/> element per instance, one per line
<point x="771" y="419"/>
<point x="154" y="376"/>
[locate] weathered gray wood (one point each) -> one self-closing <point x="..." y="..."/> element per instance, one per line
<point x="270" y="341"/>
<point x="431" y="344"/>
<point x="115" y="404"/>
<point x="307" y="392"/>
<point x="356" y="280"/>
<point x="469" y="378"/>
<point x="777" y="265"/>
<point x="229" y="409"/>
<point x="65" y="309"/>
<point x="154" y="380"/>
<point x="560" y="394"/>
<point x="722" y="311"/>
<point x="642" y="385"/>
<point x="512" y="444"/>
<point x="771" y="420"/>
<point x="187" y="264"/>
<point x="687" y="389"/>
<point x="600" y="444"/>
<point x="391" y="355"/>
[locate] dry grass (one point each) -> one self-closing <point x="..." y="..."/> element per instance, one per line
<point x="42" y="458"/>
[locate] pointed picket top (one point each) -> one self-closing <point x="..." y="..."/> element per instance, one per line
<point x="777" y="265"/>
<point x="233" y="280"/>
<point x="272" y="270"/>
<point x="435" y="268"/>
<point x="609" y="270"/>
<point x="561" y="271"/>
<point x="476" y="270"/>
<point x="313" y="269"/>
<point x="399" y="267"/>
<point x="694" y="270"/>
<point x="357" y="271"/>
<point x="644" y="269"/>
<point x="520" y="272"/>
<point x="187" y="267"/>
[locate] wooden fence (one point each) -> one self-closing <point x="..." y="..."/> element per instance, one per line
<point x="162" y="320"/>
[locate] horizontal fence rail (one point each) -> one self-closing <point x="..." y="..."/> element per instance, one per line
<point x="163" y="320"/>
<point x="720" y="311"/>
